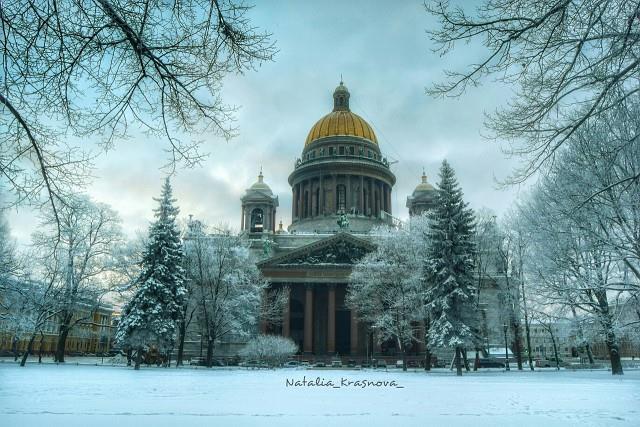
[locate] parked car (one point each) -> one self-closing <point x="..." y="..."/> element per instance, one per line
<point x="351" y="363"/>
<point x="292" y="364"/>
<point x="337" y="363"/>
<point x="198" y="361"/>
<point x="365" y="364"/>
<point x="320" y="364"/>
<point x="490" y="363"/>
<point x="305" y="364"/>
<point x="399" y="363"/>
<point x="412" y="364"/>
<point x="544" y="363"/>
<point x="382" y="364"/>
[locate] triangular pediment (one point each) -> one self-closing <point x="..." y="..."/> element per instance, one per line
<point x="341" y="249"/>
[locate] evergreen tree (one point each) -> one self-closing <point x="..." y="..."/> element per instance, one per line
<point x="149" y="319"/>
<point x="448" y="270"/>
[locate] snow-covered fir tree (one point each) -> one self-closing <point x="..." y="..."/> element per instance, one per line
<point x="149" y="319"/>
<point x="448" y="269"/>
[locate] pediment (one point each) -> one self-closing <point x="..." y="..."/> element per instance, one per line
<point x="342" y="249"/>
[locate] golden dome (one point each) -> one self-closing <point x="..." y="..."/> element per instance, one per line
<point x="341" y="121"/>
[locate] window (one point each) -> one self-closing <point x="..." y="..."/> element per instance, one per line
<point x="361" y="151"/>
<point x="313" y="154"/>
<point x="341" y="151"/>
<point x="322" y="152"/>
<point x="369" y="153"/>
<point x="257" y="220"/>
<point x="332" y="151"/>
<point x="341" y="190"/>
<point x="352" y="150"/>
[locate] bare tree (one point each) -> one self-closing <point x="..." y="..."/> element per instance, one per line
<point x="77" y="259"/>
<point x="226" y="285"/>
<point x="100" y="70"/>
<point x="386" y="290"/>
<point x="570" y="62"/>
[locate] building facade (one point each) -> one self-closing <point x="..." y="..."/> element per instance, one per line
<point x="341" y="190"/>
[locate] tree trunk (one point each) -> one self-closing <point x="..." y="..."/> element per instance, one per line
<point x="28" y="351"/>
<point x="466" y="361"/>
<point x="527" y="328"/>
<point x="517" y="344"/>
<point x="182" y="330"/>
<point x="587" y="347"/>
<point x="476" y="361"/>
<point x="63" y="333"/>
<point x="614" y="354"/>
<point x="129" y="354"/>
<point x="209" y="353"/>
<point x="427" y="351"/>
<point x="404" y="359"/>
<point x="138" y="358"/>
<point x="458" y="361"/>
<point x="555" y="350"/>
<point x="40" y="347"/>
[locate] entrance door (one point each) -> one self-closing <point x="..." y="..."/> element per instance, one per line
<point x="343" y="332"/>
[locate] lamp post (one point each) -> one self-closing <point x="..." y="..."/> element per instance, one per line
<point x="506" y="346"/>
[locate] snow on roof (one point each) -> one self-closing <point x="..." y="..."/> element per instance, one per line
<point x="499" y="351"/>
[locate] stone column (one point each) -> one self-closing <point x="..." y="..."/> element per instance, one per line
<point x="334" y="190"/>
<point x="347" y="194"/>
<point x="361" y="196"/>
<point x="331" y="323"/>
<point x="294" y="203"/>
<point x="312" y="201"/>
<point x="321" y="209"/>
<point x="242" y="220"/>
<point x="371" y="201"/>
<point x="308" y="320"/>
<point x="286" y="315"/>
<point x="354" y="333"/>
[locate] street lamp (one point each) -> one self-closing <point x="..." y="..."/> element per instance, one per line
<point x="506" y="346"/>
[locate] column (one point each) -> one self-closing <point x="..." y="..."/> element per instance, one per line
<point x="371" y="201"/>
<point x="361" y="196"/>
<point x="354" y="333"/>
<point x="321" y="210"/>
<point x="294" y="203"/>
<point x="242" y="220"/>
<point x="334" y="191"/>
<point x="347" y="194"/>
<point x="331" y="323"/>
<point x="286" y="315"/>
<point x="308" y="320"/>
<point x="312" y="198"/>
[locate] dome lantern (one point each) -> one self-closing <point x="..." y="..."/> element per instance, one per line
<point x="341" y="98"/>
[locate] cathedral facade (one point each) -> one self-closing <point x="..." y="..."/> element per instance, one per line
<point x="341" y="189"/>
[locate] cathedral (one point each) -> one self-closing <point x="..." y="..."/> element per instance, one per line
<point x="341" y="187"/>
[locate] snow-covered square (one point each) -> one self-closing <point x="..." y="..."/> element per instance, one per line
<point x="55" y="395"/>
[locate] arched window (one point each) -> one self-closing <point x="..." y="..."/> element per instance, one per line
<point x="342" y="199"/>
<point x="257" y="220"/>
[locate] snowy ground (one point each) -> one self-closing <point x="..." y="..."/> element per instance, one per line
<point x="81" y="395"/>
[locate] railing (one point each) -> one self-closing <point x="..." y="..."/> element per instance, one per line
<point x="300" y="162"/>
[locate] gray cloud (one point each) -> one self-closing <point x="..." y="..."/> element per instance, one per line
<point x="385" y="57"/>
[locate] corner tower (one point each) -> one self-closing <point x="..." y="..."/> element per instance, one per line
<point x="341" y="171"/>
<point x="259" y="208"/>
<point x="423" y="198"/>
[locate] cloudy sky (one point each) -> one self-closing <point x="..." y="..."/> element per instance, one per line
<point x="385" y="57"/>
